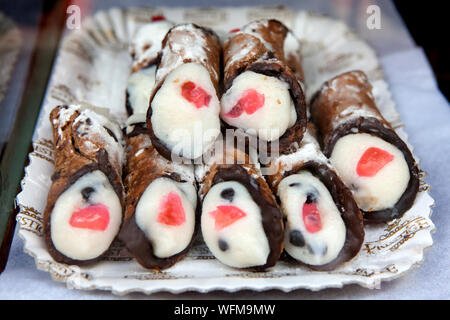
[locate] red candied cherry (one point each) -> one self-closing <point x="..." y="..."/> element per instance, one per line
<point x="311" y="217"/>
<point x="250" y="101"/>
<point x="171" y="210"/>
<point x="372" y="161"/>
<point x="158" y="17"/>
<point x="195" y="94"/>
<point x="234" y="30"/>
<point x="94" y="217"/>
<point x="226" y="215"/>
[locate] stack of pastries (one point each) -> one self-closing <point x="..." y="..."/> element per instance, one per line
<point x="170" y="174"/>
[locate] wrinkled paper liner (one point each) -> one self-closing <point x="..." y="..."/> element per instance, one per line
<point x="93" y="66"/>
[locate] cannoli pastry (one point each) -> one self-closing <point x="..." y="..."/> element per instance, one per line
<point x="183" y="117"/>
<point x="241" y="222"/>
<point x="145" y="48"/>
<point x="160" y="206"/>
<point x="83" y="213"/>
<point x="161" y="198"/>
<point x="263" y="92"/>
<point x="370" y="157"/>
<point x="323" y="224"/>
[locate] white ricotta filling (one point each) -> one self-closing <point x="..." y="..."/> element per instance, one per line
<point x="243" y="243"/>
<point x="82" y="243"/>
<point x="139" y="88"/>
<point x="185" y="129"/>
<point x="167" y="240"/>
<point x="381" y="191"/>
<point x="323" y="246"/>
<point x="271" y="120"/>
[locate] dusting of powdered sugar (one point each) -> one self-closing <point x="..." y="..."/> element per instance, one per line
<point x="147" y="41"/>
<point x="253" y="27"/>
<point x="350" y="115"/>
<point x="231" y="156"/>
<point x="244" y="48"/>
<point x="64" y="115"/>
<point x="185" y="171"/>
<point x="94" y="127"/>
<point x="357" y="110"/>
<point x="354" y="111"/>
<point x="187" y="42"/>
<point x="309" y="150"/>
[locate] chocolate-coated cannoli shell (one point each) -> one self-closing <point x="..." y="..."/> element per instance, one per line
<point x="337" y="110"/>
<point x="271" y="62"/>
<point x="319" y="166"/>
<point x="71" y="163"/>
<point x="141" y="169"/>
<point x="259" y="190"/>
<point x="173" y="55"/>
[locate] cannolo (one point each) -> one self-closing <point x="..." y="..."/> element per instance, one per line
<point x="161" y="198"/>
<point x="323" y="224"/>
<point x="263" y="81"/>
<point x="83" y="213"/>
<point x="183" y="117"/>
<point x="370" y="157"/>
<point x="160" y="206"/>
<point x="145" y="48"/>
<point x="241" y="222"/>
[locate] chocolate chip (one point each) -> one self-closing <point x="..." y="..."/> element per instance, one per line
<point x="311" y="197"/>
<point x="89" y="121"/>
<point x="223" y="245"/>
<point x="270" y="55"/>
<point x="295" y="184"/>
<point x="318" y="250"/>
<point x="296" y="238"/>
<point x="86" y="192"/>
<point x="227" y="194"/>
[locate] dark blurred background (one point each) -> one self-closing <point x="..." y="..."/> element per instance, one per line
<point x="429" y="24"/>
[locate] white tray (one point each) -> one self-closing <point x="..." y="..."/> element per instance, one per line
<point x="93" y="65"/>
